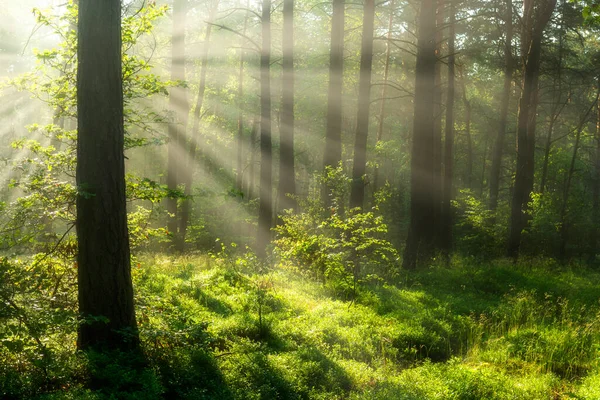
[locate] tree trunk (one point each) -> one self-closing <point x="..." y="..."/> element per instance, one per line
<point x="421" y="231"/>
<point x="526" y="131"/>
<point x="240" y="134"/>
<point x="564" y="223"/>
<point x="187" y="172"/>
<point x="596" y="185"/>
<point x="251" y="169"/>
<point x="467" y="104"/>
<point x="333" y="134"/>
<point x="505" y="100"/>
<point x="265" y="208"/>
<point x="179" y="107"/>
<point x="386" y="70"/>
<point x="103" y="261"/>
<point x="287" y="174"/>
<point x="438" y="181"/>
<point x="357" y="194"/>
<point x="446" y="216"/>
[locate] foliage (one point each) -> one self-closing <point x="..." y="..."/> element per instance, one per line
<point x="341" y="249"/>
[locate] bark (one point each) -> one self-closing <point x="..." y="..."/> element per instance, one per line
<point x="104" y="276"/>
<point x="179" y="107"/>
<point x="505" y="100"/>
<point x="357" y="194"/>
<point x="421" y="231"/>
<point x="386" y="70"/>
<point x="526" y="131"/>
<point x="265" y="211"/>
<point x="447" y="195"/>
<point x="287" y="175"/>
<point x="333" y="134"/>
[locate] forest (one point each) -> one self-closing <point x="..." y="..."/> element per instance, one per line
<point x="300" y="199"/>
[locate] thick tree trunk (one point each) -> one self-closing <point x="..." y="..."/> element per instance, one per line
<point x="388" y="47"/>
<point x="505" y="100"/>
<point x="421" y="231"/>
<point x="179" y="107"/>
<point x="526" y="131"/>
<point x="104" y="276"/>
<point x="446" y="216"/>
<point x="287" y="174"/>
<point x="357" y="194"/>
<point x="333" y="135"/>
<point x="265" y="207"/>
<point x="187" y="172"/>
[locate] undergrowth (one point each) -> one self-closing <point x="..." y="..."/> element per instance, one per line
<point x="214" y="327"/>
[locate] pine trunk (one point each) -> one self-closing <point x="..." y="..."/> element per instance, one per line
<point x="104" y="275"/>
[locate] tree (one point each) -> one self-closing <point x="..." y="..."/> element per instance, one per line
<point x="104" y="276"/>
<point x="357" y="194"/>
<point x="333" y="134"/>
<point x="287" y="178"/>
<point x="504" y="102"/>
<point x="187" y="172"/>
<point x="386" y="71"/>
<point x="179" y="107"/>
<point x="536" y="19"/>
<point x="446" y="214"/>
<point x="420" y="240"/>
<point x="265" y="209"/>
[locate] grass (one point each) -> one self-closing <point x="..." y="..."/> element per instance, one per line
<point x="217" y="329"/>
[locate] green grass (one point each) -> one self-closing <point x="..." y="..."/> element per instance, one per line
<point x="216" y="329"/>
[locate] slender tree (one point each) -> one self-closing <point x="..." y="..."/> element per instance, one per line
<point x="187" y="172"/>
<point x="420" y="240"/>
<point x="179" y="107"/>
<point x="287" y="174"/>
<point x="386" y="71"/>
<point x="265" y="209"/>
<point x="104" y="276"/>
<point x="240" y="134"/>
<point x="526" y="122"/>
<point x="564" y="217"/>
<point x="504" y="102"/>
<point x="333" y="135"/>
<point x="446" y="215"/>
<point x="357" y="194"/>
<point x="593" y="245"/>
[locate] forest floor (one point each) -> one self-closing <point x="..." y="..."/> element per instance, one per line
<point x="213" y="328"/>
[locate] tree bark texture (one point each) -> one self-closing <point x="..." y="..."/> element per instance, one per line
<point x="104" y="276"/>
